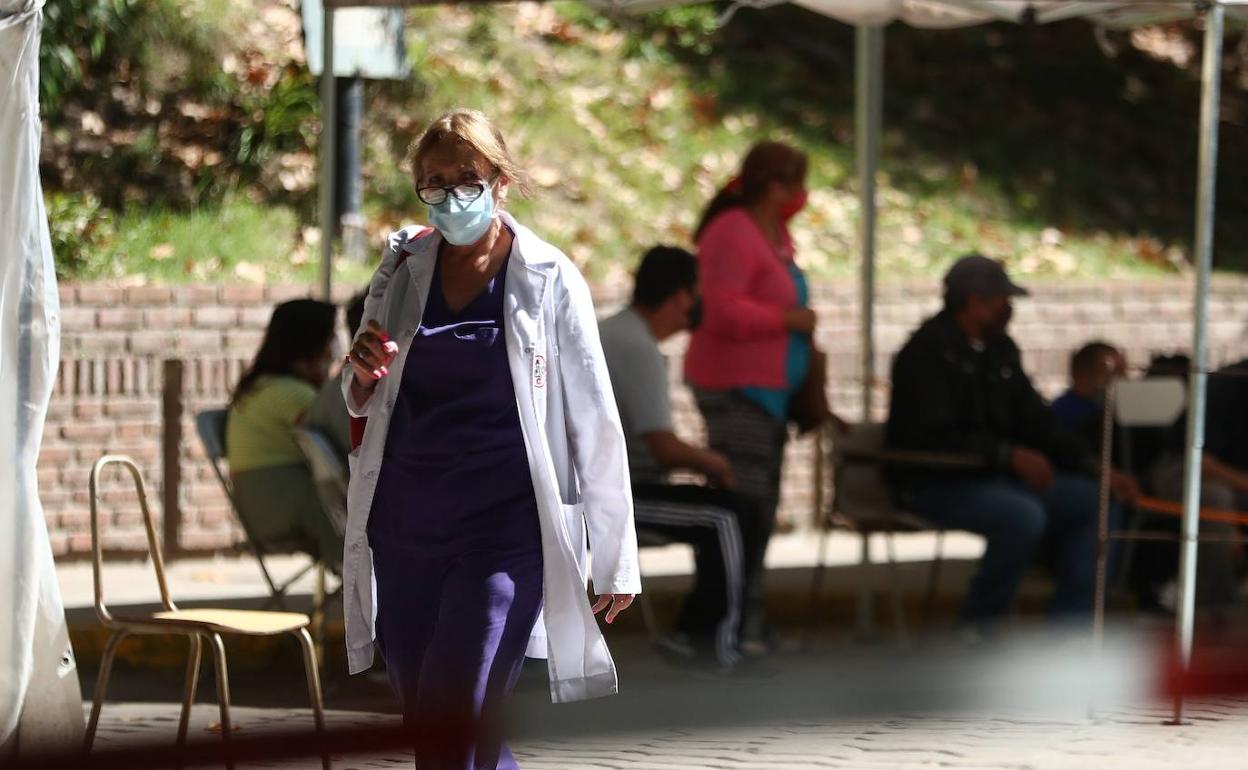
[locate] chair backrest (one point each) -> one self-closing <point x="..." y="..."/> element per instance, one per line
<point x="1144" y="411"/>
<point x="860" y="490"/>
<point x="210" y="424"/>
<point x="97" y="548"/>
<point x="1152" y="402"/>
<point x="328" y="472"/>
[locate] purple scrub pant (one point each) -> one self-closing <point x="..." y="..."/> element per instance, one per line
<point x="453" y="632"/>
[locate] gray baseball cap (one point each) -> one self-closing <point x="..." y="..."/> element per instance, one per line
<point x="975" y="274"/>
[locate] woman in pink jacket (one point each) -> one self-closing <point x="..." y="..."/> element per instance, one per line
<point x="753" y="350"/>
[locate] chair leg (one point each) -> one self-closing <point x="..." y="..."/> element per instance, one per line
<point x="276" y="593"/>
<point x="318" y="612"/>
<point x="312" y="670"/>
<point x="866" y="594"/>
<point x="647" y="616"/>
<point x="101" y="684"/>
<point x="223" y="692"/>
<point x="816" y="584"/>
<point x="1122" y="571"/>
<point x="192" y="685"/>
<point x="894" y="577"/>
<point x="933" y="579"/>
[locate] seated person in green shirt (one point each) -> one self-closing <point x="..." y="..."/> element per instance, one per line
<point x="328" y="413"/>
<point x="273" y="487"/>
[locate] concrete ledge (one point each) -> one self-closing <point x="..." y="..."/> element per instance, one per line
<point x="237" y="583"/>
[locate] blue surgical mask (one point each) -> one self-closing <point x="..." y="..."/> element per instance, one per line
<point x="462" y="223"/>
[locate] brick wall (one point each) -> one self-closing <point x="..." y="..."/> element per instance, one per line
<point x="117" y="342"/>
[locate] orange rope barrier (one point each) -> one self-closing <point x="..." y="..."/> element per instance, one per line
<point x="1169" y="508"/>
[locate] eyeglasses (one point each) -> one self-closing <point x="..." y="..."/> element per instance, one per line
<point x="435" y="195"/>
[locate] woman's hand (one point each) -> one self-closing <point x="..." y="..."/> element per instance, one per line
<point x="618" y="602"/>
<point x="800" y="319"/>
<point x="372" y="355"/>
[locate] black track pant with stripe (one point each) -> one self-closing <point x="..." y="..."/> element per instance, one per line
<point x="727" y="533"/>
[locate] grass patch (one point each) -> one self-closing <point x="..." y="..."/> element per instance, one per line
<point x="236" y="241"/>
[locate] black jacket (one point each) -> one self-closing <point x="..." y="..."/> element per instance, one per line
<point x="948" y="397"/>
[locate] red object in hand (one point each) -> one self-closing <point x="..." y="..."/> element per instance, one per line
<point x="357" y="431"/>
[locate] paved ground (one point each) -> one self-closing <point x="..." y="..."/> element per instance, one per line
<point x="1131" y="738"/>
<point x="824" y="700"/>
<point x="935" y="704"/>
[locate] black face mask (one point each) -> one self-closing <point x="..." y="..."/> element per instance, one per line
<point x="997" y="326"/>
<point x="695" y="314"/>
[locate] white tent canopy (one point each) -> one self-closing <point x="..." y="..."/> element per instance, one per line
<point x="943" y="14"/>
<point x="870" y="17"/>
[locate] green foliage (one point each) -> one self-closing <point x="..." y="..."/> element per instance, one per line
<point x="628" y="125"/>
<point x="689" y="27"/>
<point x="277" y="120"/>
<point x="169" y="122"/>
<point x="83" y="234"/>
<point x="143" y="45"/>
<point x="79" y="35"/>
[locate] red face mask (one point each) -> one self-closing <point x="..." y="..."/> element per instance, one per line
<point x="794" y="205"/>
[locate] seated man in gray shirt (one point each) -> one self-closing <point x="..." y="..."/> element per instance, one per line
<point x="723" y="528"/>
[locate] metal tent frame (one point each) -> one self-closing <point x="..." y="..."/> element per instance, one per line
<point x="869" y="18"/>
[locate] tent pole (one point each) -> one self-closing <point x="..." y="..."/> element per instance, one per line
<point x="1211" y="82"/>
<point x="329" y="122"/>
<point x="868" y="97"/>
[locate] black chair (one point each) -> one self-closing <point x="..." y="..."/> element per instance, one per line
<point x="210" y="425"/>
<point x="649" y="538"/>
<point x="331" y="477"/>
<point x="862" y="504"/>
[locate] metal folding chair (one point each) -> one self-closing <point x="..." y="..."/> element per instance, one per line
<point x="649" y="538"/>
<point x="1152" y="402"/>
<point x="210" y="425"/>
<point x="328" y="471"/>
<point x="199" y="625"/>
<point x="331" y="478"/>
<point x="862" y="503"/>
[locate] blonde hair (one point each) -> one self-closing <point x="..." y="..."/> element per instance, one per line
<point x="474" y="129"/>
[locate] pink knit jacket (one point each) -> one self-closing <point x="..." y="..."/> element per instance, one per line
<point x="746" y="289"/>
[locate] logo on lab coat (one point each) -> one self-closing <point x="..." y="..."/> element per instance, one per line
<point x="539" y="371"/>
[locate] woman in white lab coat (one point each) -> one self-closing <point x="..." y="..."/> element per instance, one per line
<point x="491" y="444"/>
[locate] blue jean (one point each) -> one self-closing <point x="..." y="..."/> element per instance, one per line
<point x="1016" y="520"/>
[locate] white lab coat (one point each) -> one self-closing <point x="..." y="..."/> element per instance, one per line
<point x="572" y="432"/>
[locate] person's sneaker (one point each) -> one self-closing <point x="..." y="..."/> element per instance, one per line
<point x="1168" y="596"/>
<point x="677" y="644"/>
<point x="755" y="648"/>
<point x="759" y="644"/>
<point x="978" y="636"/>
<point x="750" y="668"/>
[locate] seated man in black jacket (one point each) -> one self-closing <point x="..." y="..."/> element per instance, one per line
<point x="959" y="388"/>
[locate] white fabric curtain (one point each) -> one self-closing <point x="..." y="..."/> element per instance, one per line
<point x="29" y="351"/>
